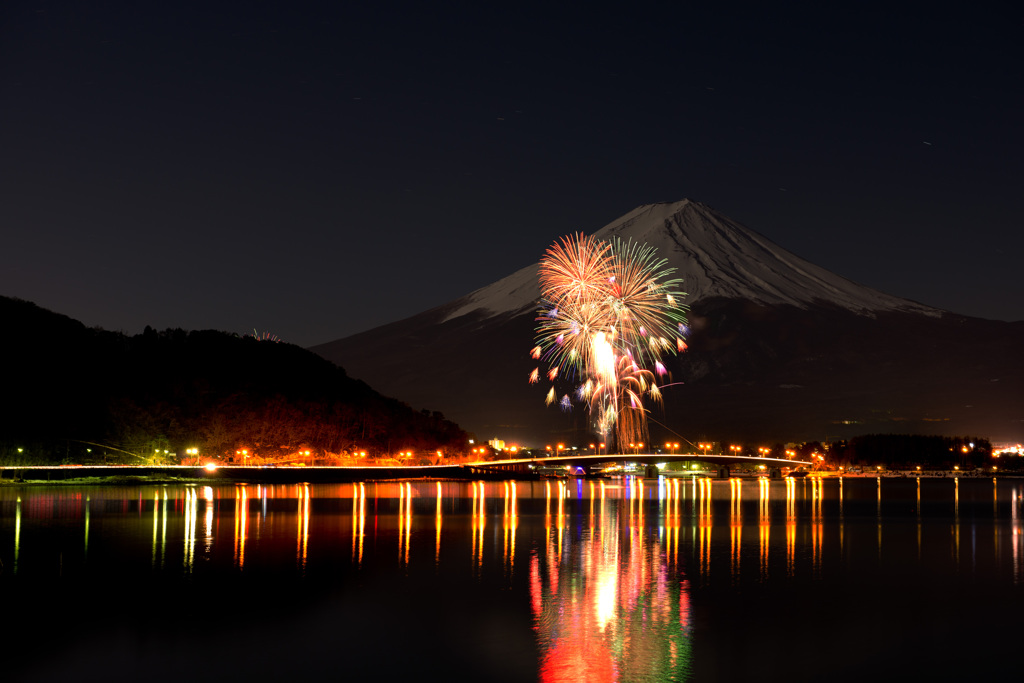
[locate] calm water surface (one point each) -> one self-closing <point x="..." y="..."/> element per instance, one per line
<point x="613" y="580"/>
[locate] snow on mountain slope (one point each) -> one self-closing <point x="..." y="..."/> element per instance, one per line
<point x="716" y="257"/>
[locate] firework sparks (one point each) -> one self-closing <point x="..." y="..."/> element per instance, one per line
<point x="610" y="311"/>
<point x="264" y="336"/>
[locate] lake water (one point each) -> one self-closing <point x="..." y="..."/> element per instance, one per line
<point x="598" y="580"/>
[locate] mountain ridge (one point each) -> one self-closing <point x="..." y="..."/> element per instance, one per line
<point x="779" y="348"/>
<point x="778" y="276"/>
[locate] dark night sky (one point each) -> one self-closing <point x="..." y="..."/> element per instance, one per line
<point x="314" y="170"/>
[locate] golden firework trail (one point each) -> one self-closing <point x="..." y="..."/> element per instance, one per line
<point x="610" y="312"/>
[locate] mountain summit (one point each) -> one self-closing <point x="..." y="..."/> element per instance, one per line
<point x="715" y="257"/>
<point x="780" y="349"/>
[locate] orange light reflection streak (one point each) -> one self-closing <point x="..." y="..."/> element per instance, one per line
<point x="241" y="524"/>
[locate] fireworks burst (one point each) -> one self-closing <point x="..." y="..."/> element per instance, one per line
<point x="610" y="311"/>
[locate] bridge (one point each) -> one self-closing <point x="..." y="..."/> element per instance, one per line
<point x="489" y="469"/>
<point x="591" y="464"/>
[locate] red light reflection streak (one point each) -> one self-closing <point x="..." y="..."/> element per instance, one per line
<point x="790" y="526"/>
<point x="678" y="494"/>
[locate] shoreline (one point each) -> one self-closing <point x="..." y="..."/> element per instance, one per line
<point x="291" y="475"/>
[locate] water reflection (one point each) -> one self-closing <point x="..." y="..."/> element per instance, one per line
<point x="190" y="527"/>
<point x="241" y="522"/>
<point x="995" y="514"/>
<point x="86" y="548"/>
<point x="704" y="524"/>
<point x="879" y="517"/>
<point x="764" y="525"/>
<point x="359" y="520"/>
<point x="437" y="525"/>
<point x="609" y="567"/>
<point x="842" y="521"/>
<point x="790" y="526"/>
<point x="17" y="534"/>
<point x="1017" y="535"/>
<point x="479" y="521"/>
<point x="735" y="525"/>
<point x="510" y="525"/>
<point x="605" y="609"/>
<point x="956" y="521"/>
<point x="302" y="550"/>
<point x="817" y="523"/>
<point x="404" y="521"/>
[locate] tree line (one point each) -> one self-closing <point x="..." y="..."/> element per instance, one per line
<point x="78" y="394"/>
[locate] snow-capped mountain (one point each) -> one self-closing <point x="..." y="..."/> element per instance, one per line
<point x="715" y="257"/>
<point x="779" y="349"/>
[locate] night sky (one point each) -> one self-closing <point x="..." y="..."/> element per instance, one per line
<point x="315" y="170"/>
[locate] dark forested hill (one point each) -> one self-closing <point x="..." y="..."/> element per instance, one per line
<point x="65" y="388"/>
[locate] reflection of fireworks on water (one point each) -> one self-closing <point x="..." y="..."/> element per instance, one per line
<point x="609" y="604"/>
<point x="610" y="312"/>
<point x="264" y="336"/>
